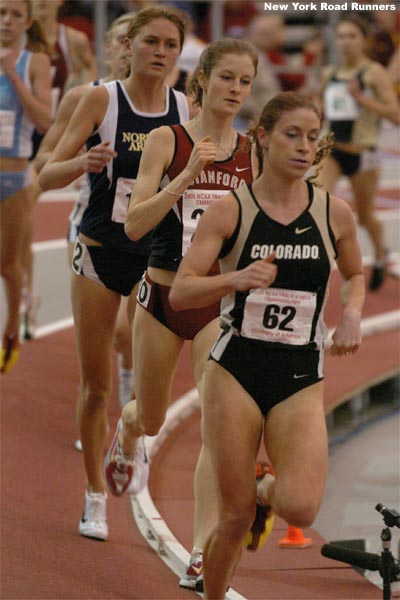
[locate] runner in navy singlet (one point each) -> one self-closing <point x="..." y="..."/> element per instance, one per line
<point x="116" y="119"/>
<point x="117" y="64"/>
<point x="276" y="241"/>
<point x="195" y="164"/>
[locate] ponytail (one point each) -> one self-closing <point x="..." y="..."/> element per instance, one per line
<point x="36" y="38"/>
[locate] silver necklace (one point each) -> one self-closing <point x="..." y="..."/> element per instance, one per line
<point x="204" y="134"/>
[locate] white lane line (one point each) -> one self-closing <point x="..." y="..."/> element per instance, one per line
<point x="68" y="195"/>
<point x="49" y="245"/>
<point x="54" y="327"/>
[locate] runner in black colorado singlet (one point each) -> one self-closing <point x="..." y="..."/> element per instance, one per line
<point x="276" y="241"/>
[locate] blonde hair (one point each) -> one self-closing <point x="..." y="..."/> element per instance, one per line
<point x="272" y="112"/>
<point x="211" y="55"/>
<point x="125" y="18"/>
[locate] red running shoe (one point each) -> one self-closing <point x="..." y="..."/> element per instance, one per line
<point x="118" y="469"/>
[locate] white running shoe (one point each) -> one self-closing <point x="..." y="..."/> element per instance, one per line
<point x="93" y="523"/>
<point x="193" y="573"/>
<point x="140" y="469"/>
<point x="125" y="385"/>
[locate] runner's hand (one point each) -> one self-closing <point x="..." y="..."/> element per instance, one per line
<point x="259" y="274"/>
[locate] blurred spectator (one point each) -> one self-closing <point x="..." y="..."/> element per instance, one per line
<point x="290" y="69"/>
<point x="78" y="15"/>
<point x="117" y="8"/>
<point x="384" y="38"/>
<point x="237" y="16"/>
<point x="315" y="51"/>
<point x="265" y="84"/>
<point x="192" y="48"/>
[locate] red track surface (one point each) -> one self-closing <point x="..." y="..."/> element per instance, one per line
<point x="43" y="555"/>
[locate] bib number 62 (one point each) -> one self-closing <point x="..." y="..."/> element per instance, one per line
<point x="278" y="317"/>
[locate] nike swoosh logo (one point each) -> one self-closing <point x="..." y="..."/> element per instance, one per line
<point x="298" y="231"/>
<point x="301" y="376"/>
<point x="197" y="570"/>
<point x="239" y="170"/>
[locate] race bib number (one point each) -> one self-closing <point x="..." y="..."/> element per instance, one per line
<point x="194" y="203"/>
<point x="339" y="103"/>
<point x="144" y="293"/>
<point x="7" y="127"/>
<point x="78" y="257"/>
<point x="123" y="193"/>
<point x="278" y="315"/>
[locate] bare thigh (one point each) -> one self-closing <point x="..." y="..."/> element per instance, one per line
<point x="233" y="428"/>
<point x="364" y="186"/>
<point x="296" y="443"/>
<point x="156" y="353"/>
<point x="201" y="348"/>
<point x="95" y="311"/>
<point x="14" y="220"/>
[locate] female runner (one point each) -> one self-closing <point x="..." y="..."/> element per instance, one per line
<point x="194" y="165"/>
<point x="25" y="103"/>
<point x="106" y="263"/>
<point x="276" y="241"/>
<point x="117" y="65"/>
<point x="356" y="94"/>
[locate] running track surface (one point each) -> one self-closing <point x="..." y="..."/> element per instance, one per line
<point x="43" y="555"/>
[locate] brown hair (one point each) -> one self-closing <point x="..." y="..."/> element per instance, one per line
<point x="358" y="21"/>
<point x="36" y="40"/>
<point x="272" y="112"/>
<point x="146" y="15"/>
<point x="211" y="55"/>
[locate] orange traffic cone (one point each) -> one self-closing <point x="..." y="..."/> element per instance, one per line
<point x="294" y="539"/>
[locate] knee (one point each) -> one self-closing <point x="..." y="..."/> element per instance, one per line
<point x="122" y="339"/>
<point x="235" y="524"/>
<point x="300" y="512"/>
<point x="96" y="396"/>
<point x="366" y="218"/>
<point x="11" y="269"/>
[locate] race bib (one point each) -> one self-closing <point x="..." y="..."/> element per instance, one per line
<point x="278" y="315"/>
<point x="194" y="203"/>
<point x="144" y="293"/>
<point x="339" y="104"/>
<point x="123" y="193"/>
<point x="7" y="127"/>
<point x="78" y="257"/>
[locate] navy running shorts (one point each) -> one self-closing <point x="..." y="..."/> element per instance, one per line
<point x="111" y="267"/>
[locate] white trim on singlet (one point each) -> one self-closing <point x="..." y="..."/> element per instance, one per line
<point x="108" y="127"/>
<point x="183" y="106"/>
